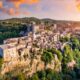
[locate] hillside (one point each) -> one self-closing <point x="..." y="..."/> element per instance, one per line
<point x="10" y="28"/>
<point x="28" y="19"/>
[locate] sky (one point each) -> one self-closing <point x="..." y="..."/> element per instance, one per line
<point x="54" y="9"/>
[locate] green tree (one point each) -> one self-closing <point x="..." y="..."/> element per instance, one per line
<point x="58" y="53"/>
<point x="67" y="57"/>
<point x="67" y="77"/>
<point x="1" y="62"/>
<point x="52" y="75"/>
<point x="75" y="42"/>
<point x="47" y="57"/>
<point x="41" y="74"/>
<point x="68" y="54"/>
<point x="20" y="76"/>
<point x="64" y="39"/>
<point x="35" y="77"/>
<point x="76" y="54"/>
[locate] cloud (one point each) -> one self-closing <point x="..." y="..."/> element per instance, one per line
<point x="8" y="11"/>
<point x="26" y="13"/>
<point x="17" y="3"/>
<point x="11" y="11"/>
<point x="77" y="2"/>
<point x="78" y="7"/>
<point x="15" y="9"/>
<point x="1" y="4"/>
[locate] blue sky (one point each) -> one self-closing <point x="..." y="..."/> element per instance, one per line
<point x="54" y="9"/>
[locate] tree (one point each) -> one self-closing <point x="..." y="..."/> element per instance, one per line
<point x="64" y="39"/>
<point x="49" y="74"/>
<point x="75" y="42"/>
<point x="35" y="77"/>
<point x="47" y="57"/>
<point x="68" y="54"/>
<point x="1" y="62"/>
<point x="52" y="75"/>
<point x="67" y="57"/>
<point x="20" y="76"/>
<point x="58" y="53"/>
<point x="76" y="55"/>
<point x="42" y="75"/>
<point x="67" y="77"/>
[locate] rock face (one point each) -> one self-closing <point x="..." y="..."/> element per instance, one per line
<point x="23" y="54"/>
<point x="27" y="51"/>
<point x="14" y="54"/>
<point x="20" y="56"/>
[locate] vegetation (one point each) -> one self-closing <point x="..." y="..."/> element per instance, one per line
<point x="47" y="57"/>
<point x="1" y="62"/>
<point x="47" y="74"/>
<point x="9" y="31"/>
<point x="71" y="51"/>
<point x="11" y="28"/>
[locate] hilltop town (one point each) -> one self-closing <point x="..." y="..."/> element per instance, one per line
<point x="26" y="51"/>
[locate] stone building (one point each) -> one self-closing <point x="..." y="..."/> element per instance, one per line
<point x="25" y="51"/>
